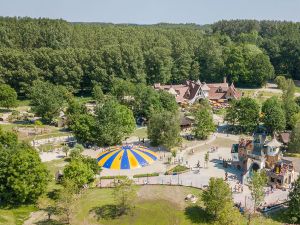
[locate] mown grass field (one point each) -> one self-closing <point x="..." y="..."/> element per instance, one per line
<point x="154" y="205"/>
<point x="15" y="216"/>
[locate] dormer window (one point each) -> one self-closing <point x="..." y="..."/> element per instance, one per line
<point x="219" y="89"/>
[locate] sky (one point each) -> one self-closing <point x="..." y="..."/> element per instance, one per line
<point x="153" y="11"/>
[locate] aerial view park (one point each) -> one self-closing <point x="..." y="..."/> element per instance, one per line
<point x="111" y="117"/>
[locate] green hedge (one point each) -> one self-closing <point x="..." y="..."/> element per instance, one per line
<point x="113" y="177"/>
<point x="146" y="175"/>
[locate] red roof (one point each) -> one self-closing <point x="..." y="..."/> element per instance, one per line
<point x="189" y="89"/>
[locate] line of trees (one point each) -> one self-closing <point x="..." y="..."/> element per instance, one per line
<point x="75" y="55"/>
<point x="277" y="114"/>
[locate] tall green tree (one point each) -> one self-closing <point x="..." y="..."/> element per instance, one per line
<point x="256" y="185"/>
<point x="235" y="64"/>
<point x="294" y="203"/>
<point x="8" y="96"/>
<point x="218" y="202"/>
<point x="123" y="193"/>
<point x="79" y="172"/>
<point x="244" y="113"/>
<point x="97" y="93"/>
<point x="204" y="124"/>
<point x="168" y="101"/>
<point x="23" y="177"/>
<point x="164" y="129"/>
<point x="289" y="104"/>
<point x="273" y="115"/>
<point x="113" y="122"/>
<point x="66" y="199"/>
<point x="158" y="64"/>
<point x="81" y="122"/>
<point x="147" y="100"/>
<point x="281" y="82"/>
<point x="294" y="145"/>
<point x="8" y="139"/>
<point x="47" y="99"/>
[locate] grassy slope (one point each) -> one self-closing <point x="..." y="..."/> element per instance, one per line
<point x="148" y="212"/>
<point x="15" y="216"/>
<point x="156" y="211"/>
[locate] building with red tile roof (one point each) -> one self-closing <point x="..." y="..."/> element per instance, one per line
<point x="192" y="91"/>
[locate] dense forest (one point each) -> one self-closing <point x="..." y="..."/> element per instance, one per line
<point x="75" y="55"/>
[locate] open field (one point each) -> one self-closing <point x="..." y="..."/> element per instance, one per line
<point x="153" y="205"/>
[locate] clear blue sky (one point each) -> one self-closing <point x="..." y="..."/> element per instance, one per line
<point x="153" y="11"/>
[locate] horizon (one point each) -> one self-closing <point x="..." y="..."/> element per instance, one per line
<point x="199" y="12"/>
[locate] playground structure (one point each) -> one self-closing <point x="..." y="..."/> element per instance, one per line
<point x="259" y="153"/>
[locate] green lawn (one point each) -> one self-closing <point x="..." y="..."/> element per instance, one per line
<point x="146" y="211"/>
<point x="15" y="216"/>
<point x="290" y="154"/>
<point x="140" y="132"/>
<point x="53" y="166"/>
<point x="297" y="89"/>
<point x="7" y="127"/>
<point x="154" y="205"/>
<point x="160" y="207"/>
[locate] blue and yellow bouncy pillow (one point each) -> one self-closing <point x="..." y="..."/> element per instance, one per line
<point x="126" y="157"/>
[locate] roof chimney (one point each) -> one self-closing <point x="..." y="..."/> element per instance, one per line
<point x="224" y="80"/>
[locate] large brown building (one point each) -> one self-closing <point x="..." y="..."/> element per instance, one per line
<point x="192" y="91"/>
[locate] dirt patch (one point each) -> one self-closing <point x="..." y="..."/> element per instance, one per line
<point x="36" y="217"/>
<point x="172" y="194"/>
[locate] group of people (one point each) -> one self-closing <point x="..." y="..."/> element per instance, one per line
<point x="238" y="188"/>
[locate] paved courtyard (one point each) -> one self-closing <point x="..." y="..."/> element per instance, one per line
<point x="191" y="155"/>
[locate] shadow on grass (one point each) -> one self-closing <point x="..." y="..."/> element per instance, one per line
<point x="49" y="222"/>
<point x="280" y="216"/>
<point x="53" y="194"/>
<point x="197" y="215"/>
<point x="5" y="110"/>
<point x="106" y="212"/>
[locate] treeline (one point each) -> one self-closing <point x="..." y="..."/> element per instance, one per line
<point x="74" y="55"/>
<point x="279" y="40"/>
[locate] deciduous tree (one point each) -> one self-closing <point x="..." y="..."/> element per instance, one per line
<point x="47" y="99"/>
<point x="294" y="145"/>
<point x="256" y="185"/>
<point x="113" y="122"/>
<point x="218" y="202"/>
<point x="164" y="129"/>
<point x="273" y="115"/>
<point x="124" y="192"/>
<point x="8" y="96"/>
<point x="204" y="124"/>
<point x="23" y="177"/>
<point x="294" y="203"/>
